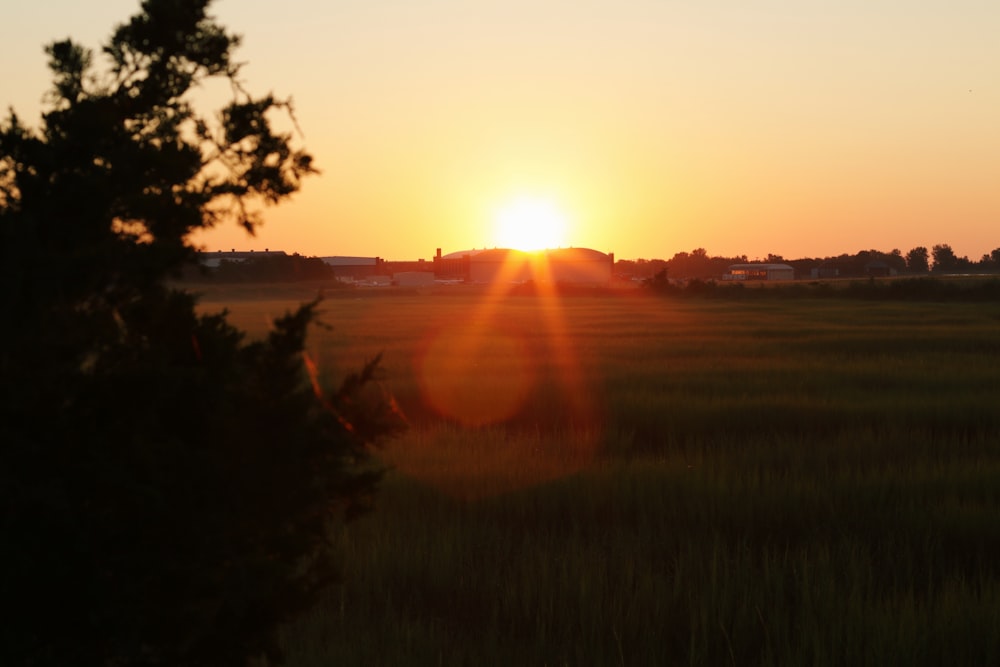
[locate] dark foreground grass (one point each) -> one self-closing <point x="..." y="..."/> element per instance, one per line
<point x="753" y="554"/>
<point x="803" y="482"/>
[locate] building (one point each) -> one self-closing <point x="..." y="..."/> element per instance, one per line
<point x="501" y="265"/>
<point x="453" y="266"/>
<point x="572" y="266"/>
<point x="213" y="260"/>
<point x="354" y="268"/>
<point x="578" y="266"/>
<point x="760" y="271"/>
<point x="413" y="278"/>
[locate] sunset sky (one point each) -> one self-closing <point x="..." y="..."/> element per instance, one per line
<point x="794" y="127"/>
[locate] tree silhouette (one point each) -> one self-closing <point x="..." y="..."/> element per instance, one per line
<point x="945" y="259"/>
<point x="918" y="260"/>
<point x="991" y="261"/>
<point x="166" y="486"/>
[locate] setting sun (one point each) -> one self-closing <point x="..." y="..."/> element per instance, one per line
<point x="530" y="223"/>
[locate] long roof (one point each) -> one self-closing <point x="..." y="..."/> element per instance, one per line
<point x="494" y="254"/>
<point x="338" y="260"/>
<point x="761" y="265"/>
<point x="577" y="254"/>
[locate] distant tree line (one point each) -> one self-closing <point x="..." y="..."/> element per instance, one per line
<point x="698" y="264"/>
<point x="912" y="288"/>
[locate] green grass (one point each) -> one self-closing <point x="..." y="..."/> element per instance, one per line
<point x="771" y="482"/>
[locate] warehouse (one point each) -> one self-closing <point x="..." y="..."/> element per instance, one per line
<point x="578" y="266"/>
<point x="760" y="271"/>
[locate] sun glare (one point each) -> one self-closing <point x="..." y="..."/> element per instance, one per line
<point x="530" y="223"/>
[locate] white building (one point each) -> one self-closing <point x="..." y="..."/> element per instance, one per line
<point x="760" y="271"/>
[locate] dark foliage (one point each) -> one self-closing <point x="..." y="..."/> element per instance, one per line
<point x="917" y="260"/>
<point x="698" y="264"/>
<point x="166" y="487"/>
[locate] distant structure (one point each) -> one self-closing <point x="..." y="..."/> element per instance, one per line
<point x="500" y="265"/>
<point x="413" y="278"/>
<point x="352" y="269"/>
<point x="213" y="260"/>
<point x="759" y="271"/>
<point x="578" y="266"/>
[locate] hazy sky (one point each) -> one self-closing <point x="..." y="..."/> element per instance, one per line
<point x="796" y="127"/>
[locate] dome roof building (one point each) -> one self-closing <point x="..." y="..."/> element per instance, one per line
<point x="580" y="266"/>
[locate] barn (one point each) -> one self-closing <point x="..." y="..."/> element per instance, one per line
<point x="760" y="271"/>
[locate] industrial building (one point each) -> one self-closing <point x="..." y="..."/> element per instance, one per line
<point x="578" y="266"/>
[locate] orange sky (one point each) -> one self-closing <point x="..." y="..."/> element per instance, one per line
<point x="794" y="127"/>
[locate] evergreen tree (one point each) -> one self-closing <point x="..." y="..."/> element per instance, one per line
<point x="167" y="487"/>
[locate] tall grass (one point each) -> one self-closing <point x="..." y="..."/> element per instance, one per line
<point x="746" y="483"/>
<point x="795" y="559"/>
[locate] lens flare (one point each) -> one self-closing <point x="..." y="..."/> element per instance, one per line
<point x="474" y="376"/>
<point x="532" y="411"/>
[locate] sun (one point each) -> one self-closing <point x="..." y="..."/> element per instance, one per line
<point x="530" y="223"/>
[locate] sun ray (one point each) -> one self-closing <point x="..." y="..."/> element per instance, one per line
<point x="465" y="381"/>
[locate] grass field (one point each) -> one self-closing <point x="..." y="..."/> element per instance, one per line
<point x="626" y="480"/>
